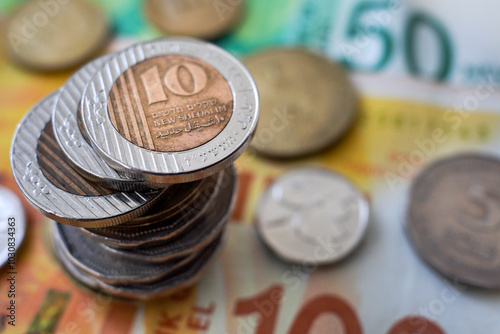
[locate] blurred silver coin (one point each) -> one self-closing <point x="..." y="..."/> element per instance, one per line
<point x="157" y="233"/>
<point x="312" y="216"/>
<point x="107" y="267"/>
<point x="12" y="225"/>
<point x="198" y="235"/>
<point x="71" y="140"/>
<point x="55" y="189"/>
<point x="170" y="110"/>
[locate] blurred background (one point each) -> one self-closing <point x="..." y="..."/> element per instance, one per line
<point x="426" y="77"/>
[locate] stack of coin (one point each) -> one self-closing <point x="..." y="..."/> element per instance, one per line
<point x="132" y="158"/>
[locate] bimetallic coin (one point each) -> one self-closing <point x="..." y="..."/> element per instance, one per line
<point x="12" y="224"/>
<point x="54" y="35"/>
<point x="55" y="189"/>
<point x="307" y="102"/>
<point x="312" y="216"/>
<point x="453" y="218"/>
<point x="170" y="111"/>
<point x="71" y="141"/>
<point x="195" y="18"/>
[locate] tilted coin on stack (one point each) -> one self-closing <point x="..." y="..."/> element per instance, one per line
<point x="307" y="102"/>
<point x="453" y="218"/>
<point x="132" y="158"/>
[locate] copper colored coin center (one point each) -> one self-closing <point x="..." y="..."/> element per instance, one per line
<point x="170" y="103"/>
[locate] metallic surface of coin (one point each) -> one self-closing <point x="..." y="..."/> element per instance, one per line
<point x="453" y="218"/>
<point x="312" y="216"/>
<point x="195" y="18"/>
<point x="216" y="204"/>
<point x="307" y="102"/>
<point x="55" y="189"/>
<point x="198" y="235"/>
<point x="55" y="35"/>
<point x="170" y="111"/>
<point x="89" y="257"/>
<point x="178" y="198"/>
<point x="12" y="225"/>
<point x="71" y="141"/>
<point x="181" y="278"/>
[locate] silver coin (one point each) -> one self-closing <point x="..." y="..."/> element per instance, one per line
<point x="107" y="267"/>
<point x="158" y="233"/>
<point x="199" y="234"/>
<point x="73" y="200"/>
<point x="12" y="225"/>
<point x="69" y="137"/>
<point x="312" y="216"/>
<point x="147" y="162"/>
<point x="56" y="249"/>
<point x="184" y="276"/>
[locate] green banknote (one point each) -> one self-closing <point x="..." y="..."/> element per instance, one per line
<point x="445" y="40"/>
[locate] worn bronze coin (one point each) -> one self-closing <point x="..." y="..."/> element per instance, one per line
<point x="307" y="101"/>
<point x="195" y="107"/>
<point x="195" y="18"/>
<point x="453" y="218"/>
<point x="56" y="34"/>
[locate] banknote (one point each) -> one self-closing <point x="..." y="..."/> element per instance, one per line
<point x="406" y="37"/>
<point x="382" y="288"/>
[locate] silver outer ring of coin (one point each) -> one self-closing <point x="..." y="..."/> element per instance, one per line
<point x="313" y="258"/>
<point x="156" y="235"/>
<point x="71" y="141"/>
<point x="55" y="203"/>
<point x="171" y="167"/>
<point x="10" y="207"/>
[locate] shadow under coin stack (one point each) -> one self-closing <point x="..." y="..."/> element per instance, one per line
<point x="132" y="158"/>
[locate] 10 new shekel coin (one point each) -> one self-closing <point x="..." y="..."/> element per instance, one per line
<point x="170" y="111"/>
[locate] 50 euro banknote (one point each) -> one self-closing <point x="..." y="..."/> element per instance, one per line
<point x="383" y="287"/>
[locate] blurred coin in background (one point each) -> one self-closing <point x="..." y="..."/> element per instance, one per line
<point x="12" y="224"/>
<point x="312" y="216"/>
<point x="206" y="19"/>
<point x="453" y="218"/>
<point x="55" y="34"/>
<point x="307" y="102"/>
